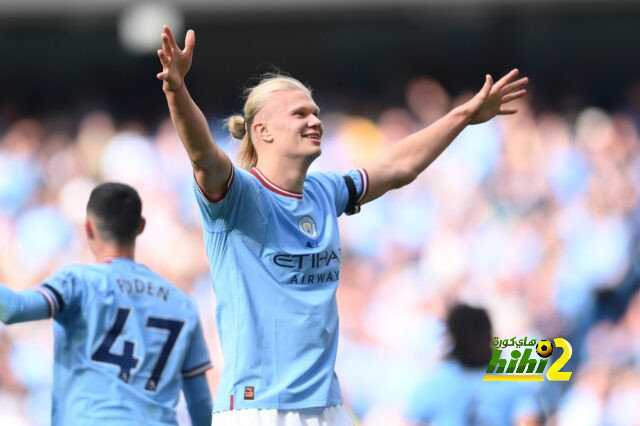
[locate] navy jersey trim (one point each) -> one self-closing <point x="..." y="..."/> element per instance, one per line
<point x="51" y="304"/>
<point x="59" y="298"/>
<point x="54" y="299"/>
<point x="192" y="372"/>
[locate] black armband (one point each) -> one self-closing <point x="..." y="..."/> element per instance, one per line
<point x="352" y="205"/>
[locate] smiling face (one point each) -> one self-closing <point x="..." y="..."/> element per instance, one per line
<point x="290" y="124"/>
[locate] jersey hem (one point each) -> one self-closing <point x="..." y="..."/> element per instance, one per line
<point x="242" y="405"/>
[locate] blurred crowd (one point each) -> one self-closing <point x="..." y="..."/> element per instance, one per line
<point x="534" y="217"/>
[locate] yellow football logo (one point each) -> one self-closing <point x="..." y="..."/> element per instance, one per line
<point x="544" y="348"/>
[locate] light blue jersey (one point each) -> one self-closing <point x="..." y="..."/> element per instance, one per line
<point x="124" y="340"/>
<point x="456" y="396"/>
<point x="275" y="262"/>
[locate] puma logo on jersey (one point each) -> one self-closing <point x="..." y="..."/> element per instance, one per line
<point x="249" y="392"/>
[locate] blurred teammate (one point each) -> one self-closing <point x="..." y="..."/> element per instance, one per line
<point x="126" y="340"/>
<point x="454" y="393"/>
<point x="271" y="235"/>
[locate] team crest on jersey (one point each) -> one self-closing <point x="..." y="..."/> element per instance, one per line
<point x="308" y="226"/>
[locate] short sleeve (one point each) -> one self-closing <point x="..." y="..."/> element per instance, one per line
<point x="345" y="190"/>
<point x="357" y="182"/>
<point x="219" y="216"/>
<point x="62" y="292"/>
<point x="197" y="360"/>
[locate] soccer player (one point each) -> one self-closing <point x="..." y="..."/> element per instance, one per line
<point x="454" y="393"/>
<point x="126" y="340"/>
<point x="271" y="234"/>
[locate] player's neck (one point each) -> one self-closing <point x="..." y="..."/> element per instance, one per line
<point x="286" y="173"/>
<point x="112" y="251"/>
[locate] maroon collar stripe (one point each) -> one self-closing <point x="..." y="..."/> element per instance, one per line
<point x="273" y="187"/>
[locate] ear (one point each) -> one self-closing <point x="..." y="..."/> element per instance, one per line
<point x="262" y="131"/>
<point x="89" y="229"/>
<point x="143" y="223"/>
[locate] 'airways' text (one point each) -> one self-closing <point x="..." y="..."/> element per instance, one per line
<point x="315" y="278"/>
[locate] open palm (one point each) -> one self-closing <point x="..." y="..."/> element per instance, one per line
<point x="491" y="100"/>
<point x="175" y="61"/>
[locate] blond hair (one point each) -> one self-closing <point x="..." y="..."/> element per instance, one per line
<point x="256" y="98"/>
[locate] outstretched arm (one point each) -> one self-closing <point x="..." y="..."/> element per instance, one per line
<point x="198" y="397"/>
<point x="210" y="164"/>
<point x="410" y="156"/>
<point x="27" y="305"/>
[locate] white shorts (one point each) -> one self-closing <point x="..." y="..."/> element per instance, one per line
<point x="336" y="415"/>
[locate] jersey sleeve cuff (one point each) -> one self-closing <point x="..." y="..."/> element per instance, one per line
<point x="357" y="182"/>
<point x="364" y="176"/>
<point x="53" y="298"/>
<point x="192" y="372"/>
<point x="226" y="191"/>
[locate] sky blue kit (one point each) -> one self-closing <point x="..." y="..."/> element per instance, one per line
<point x="125" y="338"/>
<point x="275" y="262"/>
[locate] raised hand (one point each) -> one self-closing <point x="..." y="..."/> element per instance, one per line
<point x="491" y="100"/>
<point x="175" y="62"/>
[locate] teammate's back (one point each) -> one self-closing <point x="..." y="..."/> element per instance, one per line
<point x="126" y="340"/>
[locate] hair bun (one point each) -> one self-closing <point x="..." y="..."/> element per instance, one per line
<point x="236" y="126"/>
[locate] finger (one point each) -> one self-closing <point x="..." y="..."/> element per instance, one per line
<point x="486" y="88"/>
<point x="166" y="46"/>
<point x="507" y="78"/>
<point x="170" y="37"/>
<point x="513" y="96"/>
<point x="518" y="84"/>
<point x="507" y="111"/>
<point x="162" y="75"/>
<point x="166" y="31"/>
<point x="163" y="58"/>
<point x="189" y="42"/>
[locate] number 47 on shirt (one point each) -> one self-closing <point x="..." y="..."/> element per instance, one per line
<point x="126" y="360"/>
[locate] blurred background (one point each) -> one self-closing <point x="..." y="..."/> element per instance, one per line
<point x="535" y="217"/>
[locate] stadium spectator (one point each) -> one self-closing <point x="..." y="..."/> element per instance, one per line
<point x="454" y="392"/>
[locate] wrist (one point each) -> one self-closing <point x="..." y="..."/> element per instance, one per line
<point x="167" y="88"/>
<point x="462" y="115"/>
